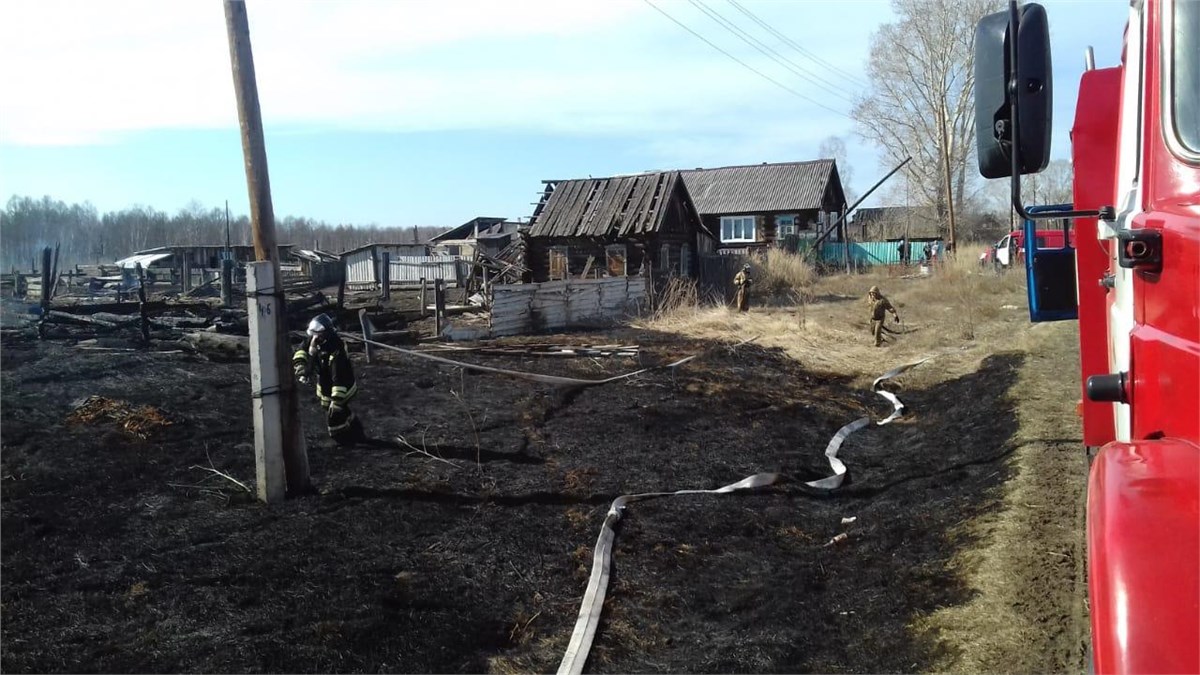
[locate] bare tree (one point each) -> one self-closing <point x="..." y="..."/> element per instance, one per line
<point x="87" y="237"/>
<point x="833" y="147"/>
<point x="1052" y="186"/>
<point x="921" y="101"/>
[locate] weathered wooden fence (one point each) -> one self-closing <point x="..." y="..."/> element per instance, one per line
<point x="716" y="276"/>
<point x="405" y="271"/>
<point x="571" y="303"/>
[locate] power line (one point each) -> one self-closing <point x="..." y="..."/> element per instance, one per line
<point x="746" y="65"/>
<point x="792" y="43"/>
<point x="766" y="49"/>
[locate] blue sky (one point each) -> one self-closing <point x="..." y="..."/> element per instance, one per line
<point x="403" y="112"/>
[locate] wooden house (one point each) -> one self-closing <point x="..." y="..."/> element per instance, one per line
<point x="759" y="205"/>
<point x="617" y="226"/>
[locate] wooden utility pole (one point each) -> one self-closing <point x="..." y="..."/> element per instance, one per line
<point x="285" y="415"/>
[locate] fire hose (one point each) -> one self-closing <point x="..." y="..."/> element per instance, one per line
<point x="592" y="604"/>
<point x="555" y="380"/>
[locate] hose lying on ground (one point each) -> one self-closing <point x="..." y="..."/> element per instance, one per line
<point x="593" y="598"/>
<point x="555" y="380"/>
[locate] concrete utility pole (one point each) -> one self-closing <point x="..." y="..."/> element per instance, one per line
<point x="276" y="412"/>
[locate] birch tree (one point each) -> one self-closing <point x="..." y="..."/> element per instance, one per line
<point x="921" y="101"/>
<point x="833" y="147"/>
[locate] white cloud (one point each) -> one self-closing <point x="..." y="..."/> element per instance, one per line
<point x="79" y="73"/>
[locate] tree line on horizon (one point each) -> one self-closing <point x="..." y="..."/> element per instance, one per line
<point x="88" y="237"/>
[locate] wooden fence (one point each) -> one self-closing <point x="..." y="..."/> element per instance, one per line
<point x="363" y="271"/>
<point x="556" y="305"/>
<point x="716" y="276"/>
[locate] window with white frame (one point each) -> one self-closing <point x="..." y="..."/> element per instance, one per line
<point x="785" y="226"/>
<point x="737" y="228"/>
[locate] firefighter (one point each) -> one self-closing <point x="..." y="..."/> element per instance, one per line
<point x="323" y="357"/>
<point x="743" y="283"/>
<point x="879" y="307"/>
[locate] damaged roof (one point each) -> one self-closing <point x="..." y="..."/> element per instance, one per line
<point x="618" y="206"/>
<point x="485" y="225"/>
<point x="788" y="186"/>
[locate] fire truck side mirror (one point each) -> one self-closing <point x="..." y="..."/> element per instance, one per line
<point x="993" y="97"/>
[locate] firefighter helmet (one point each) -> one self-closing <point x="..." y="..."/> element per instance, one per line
<point x="321" y="327"/>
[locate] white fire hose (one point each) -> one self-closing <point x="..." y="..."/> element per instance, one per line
<point x="593" y="598"/>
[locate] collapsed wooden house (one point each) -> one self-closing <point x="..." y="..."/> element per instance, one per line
<point x="617" y="226"/>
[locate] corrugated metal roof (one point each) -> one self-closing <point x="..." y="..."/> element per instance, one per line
<point x="791" y="186"/>
<point x="145" y="259"/>
<point x="605" y="207"/>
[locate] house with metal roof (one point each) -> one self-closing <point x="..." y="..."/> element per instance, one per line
<point x="616" y="226"/>
<point x="760" y="205"/>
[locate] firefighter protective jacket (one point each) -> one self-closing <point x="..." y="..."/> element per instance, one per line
<point x="334" y="373"/>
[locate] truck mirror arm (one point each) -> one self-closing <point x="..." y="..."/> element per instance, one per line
<point x="1105" y="213"/>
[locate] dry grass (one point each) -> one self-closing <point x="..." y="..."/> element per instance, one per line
<point x="784" y="274"/>
<point x="959" y="311"/>
<point x="1047" y="492"/>
<point x="141" y="421"/>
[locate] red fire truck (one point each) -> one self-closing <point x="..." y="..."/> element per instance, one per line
<point x="1133" y="282"/>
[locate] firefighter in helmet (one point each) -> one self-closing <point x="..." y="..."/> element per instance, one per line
<point x="323" y="357"/>
<point x="743" y="283"/>
<point x="879" y="308"/>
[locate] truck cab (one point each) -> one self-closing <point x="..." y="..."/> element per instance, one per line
<point x="1135" y="291"/>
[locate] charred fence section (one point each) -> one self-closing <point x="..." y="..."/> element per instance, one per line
<point x="557" y="305"/>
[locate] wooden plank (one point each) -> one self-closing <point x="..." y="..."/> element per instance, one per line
<point x="577" y="194"/>
<point x="561" y="203"/>
<point x="614" y="195"/>
<point x="637" y="206"/>
<point x="588" y="218"/>
<point x="665" y="193"/>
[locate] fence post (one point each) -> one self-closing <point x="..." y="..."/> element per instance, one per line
<point x="227" y="282"/>
<point x="141" y="273"/>
<point x="439" y="306"/>
<point x="368" y="331"/>
<point x="341" y="298"/>
<point x="46" y="265"/>
<point x="385" y="273"/>
<point x="567" y="302"/>
<point x="186" y="273"/>
<point x="54" y="273"/>
<point x="424" y="284"/>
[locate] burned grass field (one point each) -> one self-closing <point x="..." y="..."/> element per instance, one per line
<point x="459" y="539"/>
